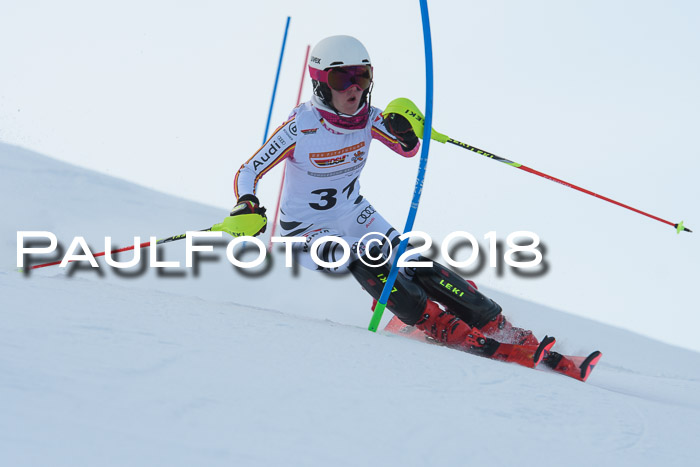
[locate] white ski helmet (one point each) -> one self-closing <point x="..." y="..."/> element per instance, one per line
<point x="337" y="52"/>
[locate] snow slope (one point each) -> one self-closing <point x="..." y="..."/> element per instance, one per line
<point x="174" y="96"/>
<point x="217" y="368"/>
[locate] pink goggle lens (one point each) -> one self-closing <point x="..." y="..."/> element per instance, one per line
<point x="341" y="78"/>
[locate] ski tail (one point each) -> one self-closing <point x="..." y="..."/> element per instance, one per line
<point x="576" y="367"/>
<point x="588" y="364"/>
<point x="398" y="327"/>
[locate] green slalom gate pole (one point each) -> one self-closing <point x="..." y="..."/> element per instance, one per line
<point x="409" y="110"/>
<point x="389" y="285"/>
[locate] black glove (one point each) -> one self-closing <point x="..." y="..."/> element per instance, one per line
<point x="249" y="204"/>
<point x="402" y="130"/>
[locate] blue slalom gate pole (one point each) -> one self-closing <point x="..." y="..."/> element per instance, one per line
<point x="389" y="285"/>
<point x="277" y="77"/>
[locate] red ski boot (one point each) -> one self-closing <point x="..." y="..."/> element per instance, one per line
<point x="446" y="328"/>
<point x="500" y="329"/>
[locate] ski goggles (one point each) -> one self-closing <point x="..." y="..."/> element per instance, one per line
<point x="341" y="78"/>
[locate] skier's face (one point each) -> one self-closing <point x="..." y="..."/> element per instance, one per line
<point x="347" y="101"/>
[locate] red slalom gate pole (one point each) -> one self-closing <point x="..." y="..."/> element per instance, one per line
<point x="284" y="167"/>
<point x="303" y="73"/>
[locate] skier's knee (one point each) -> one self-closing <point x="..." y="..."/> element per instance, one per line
<point x="459" y="296"/>
<point x="407" y="300"/>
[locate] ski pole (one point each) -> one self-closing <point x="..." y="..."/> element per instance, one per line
<point x="409" y="110"/>
<point x="237" y="226"/>
<point x="120" y="250"/>
<point x="389" y="285"/>
<point x="679" y="226"/>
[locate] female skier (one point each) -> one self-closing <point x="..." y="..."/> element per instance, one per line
<point x="326" y="145"/>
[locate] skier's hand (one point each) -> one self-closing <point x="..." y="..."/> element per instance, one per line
<point x="248" y="204"/>
<point x="402" y="130"/>
<point x="246" y="218"/>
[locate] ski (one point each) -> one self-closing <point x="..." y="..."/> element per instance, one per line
<point x="576" y="367"/>
<point x="525" y="355"/>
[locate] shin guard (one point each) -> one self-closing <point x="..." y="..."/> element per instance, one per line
<point x="407" y="300"/>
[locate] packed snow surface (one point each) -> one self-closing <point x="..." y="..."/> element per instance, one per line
<point x="211" y="366"/>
